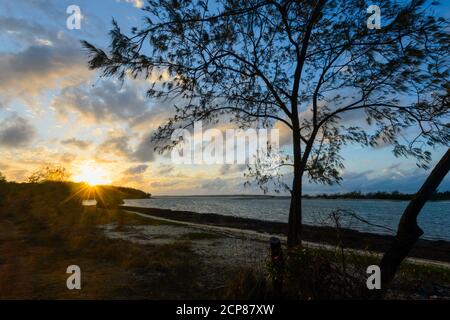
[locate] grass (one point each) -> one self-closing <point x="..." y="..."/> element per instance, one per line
<point x="408" y="270"/>
<point x="41" y="235"/>
<point x="324" y="274"/>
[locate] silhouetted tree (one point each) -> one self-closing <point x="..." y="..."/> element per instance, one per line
<point x="2" y="178"/>
<point x="304" y="64"/>
<point x="408" y="231"/>
<point x="49" y="173"/>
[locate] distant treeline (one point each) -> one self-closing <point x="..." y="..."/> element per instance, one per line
<point x="67" y="192"/>
<point x="133" y="193"/>
<point x="394" y="195"/>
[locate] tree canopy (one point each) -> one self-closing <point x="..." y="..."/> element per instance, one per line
<point x="310" y="65"/>
<point x="49" y="173"/>
<point x="276" y="60"/>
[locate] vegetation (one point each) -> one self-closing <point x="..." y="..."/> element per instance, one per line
<point x="2" y="178"/>
<point x="49" y="173"/>
<point x="42" y="233"/>
<point x="132" y="193"/>
<point x="106" y="194"/>
<point x="302" y="64"/>
<point x="320" y="274"/>
<point x="382" y="195"/>
<point x="111" y="196"/>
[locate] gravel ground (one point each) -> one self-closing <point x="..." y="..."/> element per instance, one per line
<point x="217" y="248"/>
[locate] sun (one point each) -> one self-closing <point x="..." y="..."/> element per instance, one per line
<point x="92" y="174"/>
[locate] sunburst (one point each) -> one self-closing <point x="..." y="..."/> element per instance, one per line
<point x="91" y="173"/>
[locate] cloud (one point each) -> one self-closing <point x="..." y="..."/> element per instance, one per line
<point x="53" y="10"/>
<point x="116" y="144"/>
<point x="164" y="184"/>
<point x="26" y="74"/>
<point x="81" y="144"/>
<point x="16" y="132"/>
<point x="228" y="168"/>
<point x="49" y="61"/>
<point x="25" y="31"/>
<point x="4" y="166"/>
<point x="285" y="134"/>
<point x="107" y="100"/>
<point x="408" y="181"/>
<point x="110" y="100"/>
<point x="145" y="149"/>
<point x="165" y="169"/>
<point x="154" y="116"/>
<point x="136" y="169"/>
<point x="214" y="184"/>
<point x="66" y="158"/>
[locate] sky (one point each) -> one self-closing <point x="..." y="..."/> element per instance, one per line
<point x="53" y="110"/>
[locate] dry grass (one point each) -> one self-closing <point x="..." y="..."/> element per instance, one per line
<point x="317" y="274"/>
<point x="40" y="238"/>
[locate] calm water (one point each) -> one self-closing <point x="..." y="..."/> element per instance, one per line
<point x="434" y="218"/>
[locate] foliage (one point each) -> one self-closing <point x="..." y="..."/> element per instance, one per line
<point x="2" y="178"/>
<point x="312" y="66"/>
<point x="132" y="193"/>
<point x="318" y="274"/>
<point x="267" y="61"/>
<point x="111" y="196"/>
<point x="49" y="173"/>
<point x="394" y="195"/>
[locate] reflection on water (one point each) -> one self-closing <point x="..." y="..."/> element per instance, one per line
<point x="434" y="218"/>
<point x="89" y="203"/>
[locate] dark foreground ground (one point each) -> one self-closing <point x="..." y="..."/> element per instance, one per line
<point x="426" y="249"/>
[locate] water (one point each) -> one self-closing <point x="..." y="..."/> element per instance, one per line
<point x="434" y="218"/>
<point x="89" y="203"/>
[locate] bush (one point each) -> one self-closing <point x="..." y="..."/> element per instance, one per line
<point x="247" y="285"/>
<point x="2" y="178"/>
<point x="307" y="274"/>
<point x="49" y="173"/>
<point x="321" y="274"/>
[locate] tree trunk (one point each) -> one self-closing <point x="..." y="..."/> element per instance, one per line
<point x="295" y="210"/>
<point x="408" y="231"/>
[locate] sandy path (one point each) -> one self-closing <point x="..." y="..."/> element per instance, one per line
<point x="223" y="247"/>
<point x="264" y="237"/>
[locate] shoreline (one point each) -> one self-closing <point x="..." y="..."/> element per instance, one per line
<point x="438" y="250"/>
<point x="271" y="196"/>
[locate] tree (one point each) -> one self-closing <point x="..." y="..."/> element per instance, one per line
<point x="408" y="231"/>
<point x="303" y="64"/>
<point x="49" y="173"/>
<point x="2" y="178"/>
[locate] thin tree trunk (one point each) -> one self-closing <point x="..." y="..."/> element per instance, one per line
<point x="408" y="231"/>
<point x="295" y="210"/>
